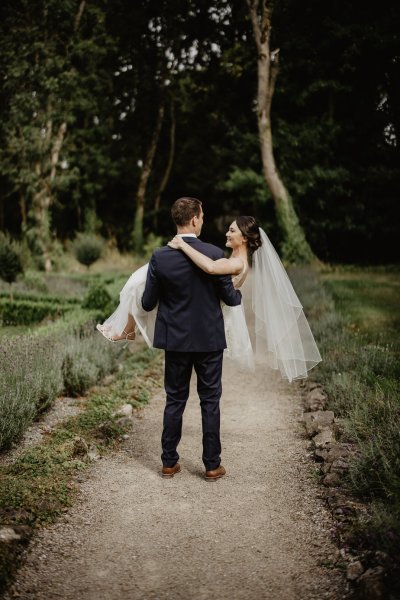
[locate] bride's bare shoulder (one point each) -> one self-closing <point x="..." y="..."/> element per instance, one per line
<point x="237" y="264"/>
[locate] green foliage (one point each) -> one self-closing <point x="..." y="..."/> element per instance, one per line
<point x="334" y="121"/>
<point x="37" y="486"/>
<point x="92" y="223"/>
<point x="116" y="283"/>
<point x="35" y="281"/>
<point x="88" y="248"/>
<point x="360" y="373"/>
<point x="152" y="242"/>
<point x="79" y="374"/>
<point x="27" y="312"/>
<point x="86" y="361"/>
<point x="64" y="287"/>
<point x="77" y="322"/>
<point x="142" y="373"/>
<point x="376" y="427"/>
<point x="67" y="285"/>
<point x="245" y="190"/>
<point x="30" y="380"/>
<point x="39" y="297"/>
<point x="330" y="133"/>
<point x="53" y="99"/>
<point x="97" y="298"/>
<point x="36" y="367"/>
<point x="10" y="262"/>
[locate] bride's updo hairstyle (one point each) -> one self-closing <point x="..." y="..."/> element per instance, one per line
<point x="250" y="230"/>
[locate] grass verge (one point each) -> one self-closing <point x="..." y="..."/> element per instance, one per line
<point x="39" y="485"/>
<point x="355" y="316"/>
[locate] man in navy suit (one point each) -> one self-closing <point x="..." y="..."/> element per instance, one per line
<point x="190" y="328"/>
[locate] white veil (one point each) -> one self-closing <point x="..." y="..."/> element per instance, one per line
<point x="283" y="335"/>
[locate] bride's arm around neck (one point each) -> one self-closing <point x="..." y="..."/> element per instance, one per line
<point x="222" y="266"/>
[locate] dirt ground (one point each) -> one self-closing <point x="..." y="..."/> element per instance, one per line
<point x="261" y="532"/>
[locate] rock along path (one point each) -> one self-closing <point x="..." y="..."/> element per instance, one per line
<point x="261" y="532"/>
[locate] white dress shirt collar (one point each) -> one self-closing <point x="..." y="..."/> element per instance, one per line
<point x="187" y="235"/>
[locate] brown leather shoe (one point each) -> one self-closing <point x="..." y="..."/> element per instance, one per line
<point x="169" y="472"/>
<point x="215" y="474"/>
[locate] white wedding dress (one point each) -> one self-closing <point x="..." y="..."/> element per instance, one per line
<point x="238" y="349"/>
<point x="130" y="303"/>
<point x="238" y="343"/>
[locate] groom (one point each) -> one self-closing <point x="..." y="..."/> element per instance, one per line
<point x="190" y="328"/>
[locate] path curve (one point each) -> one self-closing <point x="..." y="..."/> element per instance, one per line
<point x="262" y="532"/>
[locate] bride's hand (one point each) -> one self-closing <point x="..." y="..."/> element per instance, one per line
<point x="176" y="243"/>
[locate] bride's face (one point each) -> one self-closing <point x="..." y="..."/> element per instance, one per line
<point x="234" y="237"/>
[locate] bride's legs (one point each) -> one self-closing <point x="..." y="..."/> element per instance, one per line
<point x="129" y="332"/>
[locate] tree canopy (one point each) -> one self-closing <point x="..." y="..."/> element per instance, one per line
<point x="110" y="106"/>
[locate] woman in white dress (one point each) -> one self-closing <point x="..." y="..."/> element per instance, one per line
<point x="283" y="337"/>
<point x="239" y="348"/>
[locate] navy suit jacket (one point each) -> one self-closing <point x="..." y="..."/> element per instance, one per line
<point x="189" y="317"/>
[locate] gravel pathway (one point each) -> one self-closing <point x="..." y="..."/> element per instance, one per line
<point x="261" y="532"/>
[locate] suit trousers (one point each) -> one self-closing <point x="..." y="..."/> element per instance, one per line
<point x="178" y="371"/>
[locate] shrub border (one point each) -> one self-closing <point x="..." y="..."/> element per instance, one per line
<point x="40" y="485"/>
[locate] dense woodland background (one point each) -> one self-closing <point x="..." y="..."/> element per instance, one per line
<point x="94" y="92"/>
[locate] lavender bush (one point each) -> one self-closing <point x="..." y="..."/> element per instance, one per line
<point x="36" y="368"/>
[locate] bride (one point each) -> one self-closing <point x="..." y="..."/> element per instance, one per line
<point x="283" y="337"/>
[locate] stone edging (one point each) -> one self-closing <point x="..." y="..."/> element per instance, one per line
<point x="365" y="572"/>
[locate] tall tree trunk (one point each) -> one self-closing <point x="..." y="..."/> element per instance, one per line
<point x="41" y="238"/>
<point x="78" y="16"/>
<point x="2" y="203"/>
<point x="144" y="178"/>
<point x="43" y="198"/>
<point x="295" y="246"/>
<point x="55" y="152"/>
<point x="168" y="167"/>
<point x="23" y="210"/>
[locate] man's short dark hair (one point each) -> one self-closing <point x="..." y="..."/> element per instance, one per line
<point x="184" y="209"/>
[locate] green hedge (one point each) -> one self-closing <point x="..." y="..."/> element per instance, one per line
<point x="98" y="298"/>
<point x="39" y="297"/>
<point x="27" y="312"/>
